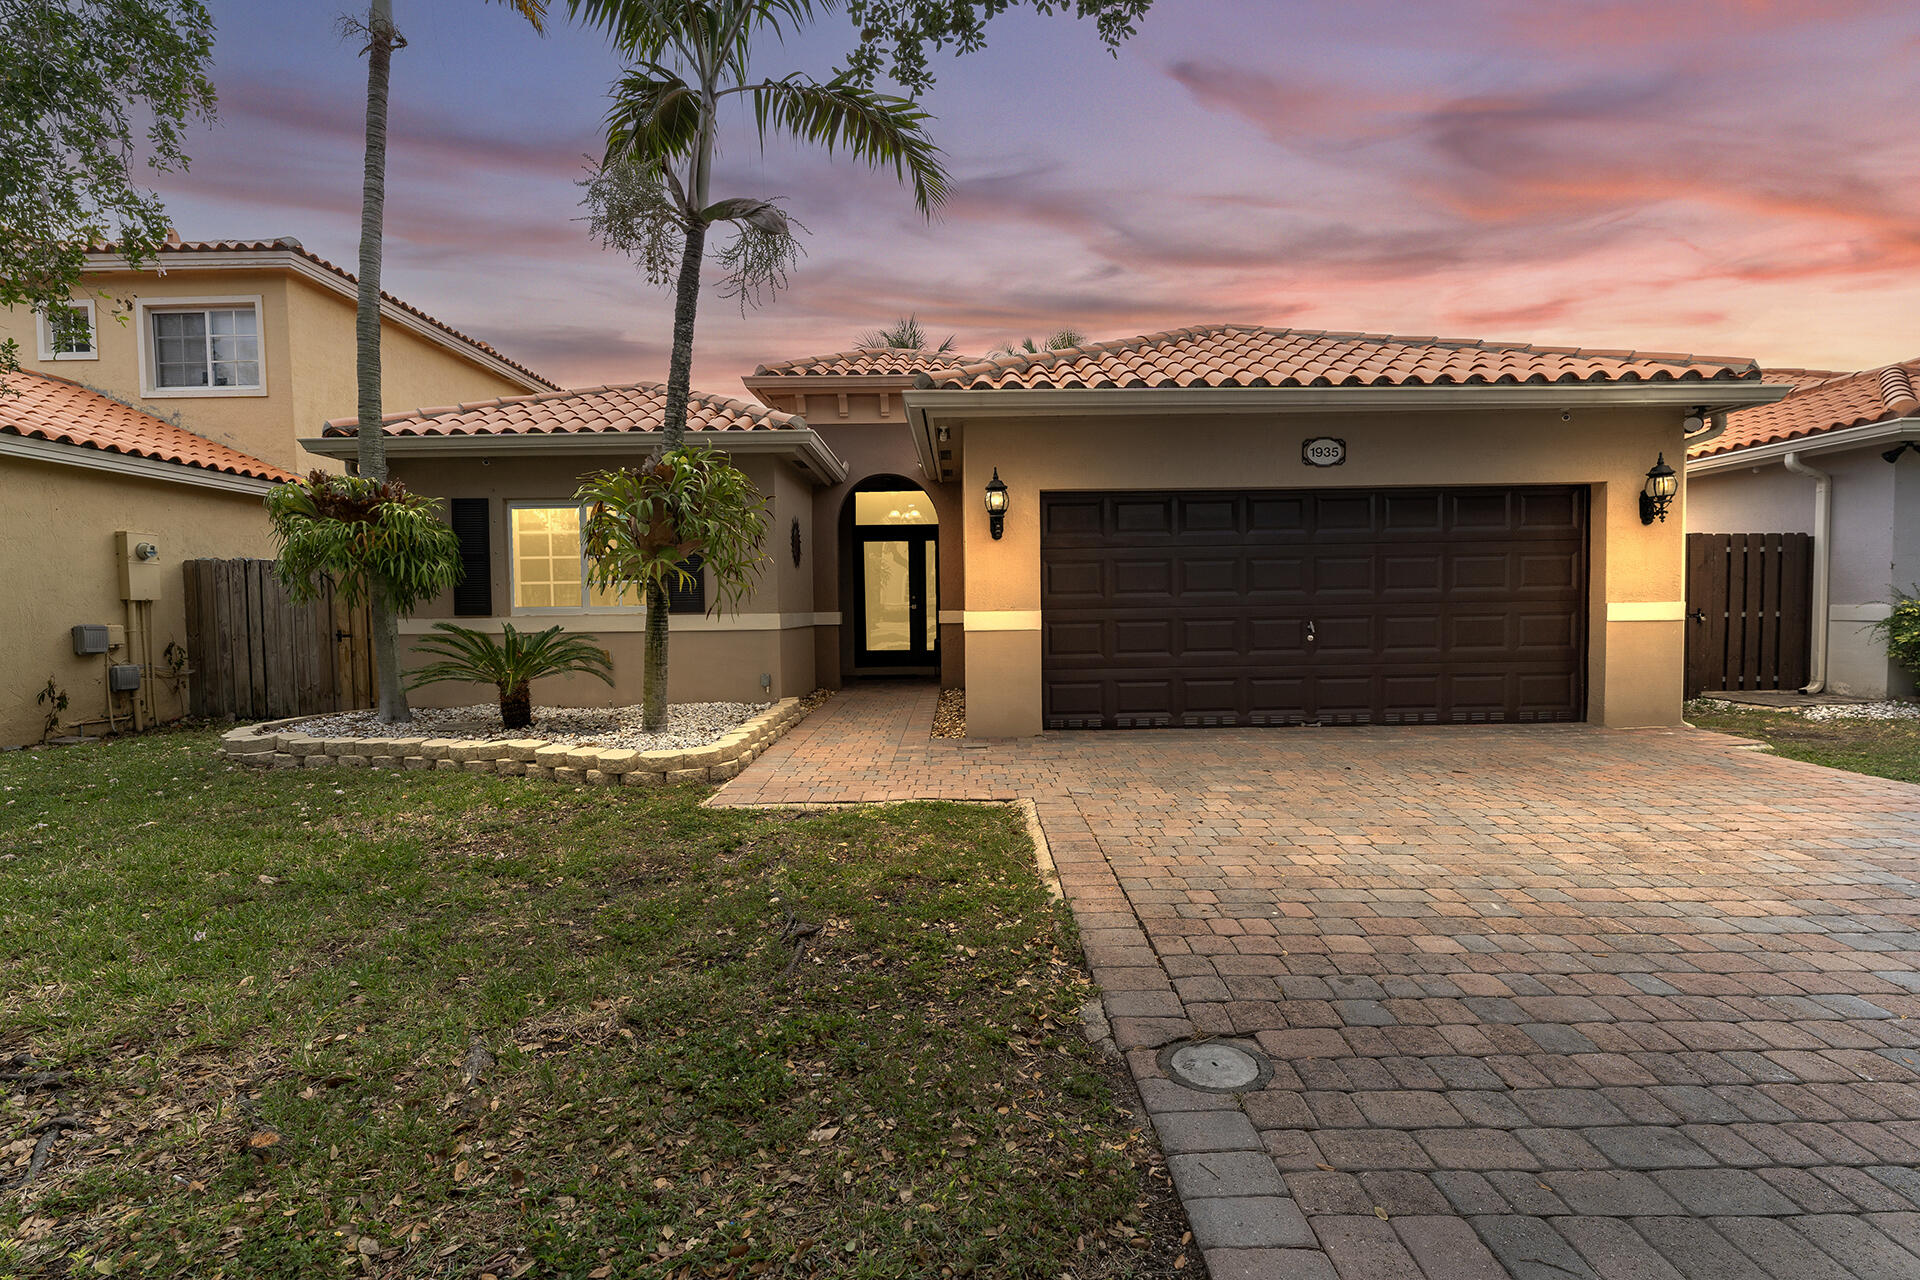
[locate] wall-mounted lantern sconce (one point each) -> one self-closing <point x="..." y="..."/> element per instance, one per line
<point x="996" y="504"/>
<point x="1893" y="454"/>
<point x="1662" y="484"/>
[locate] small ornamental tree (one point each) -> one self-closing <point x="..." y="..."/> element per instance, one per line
<point x="375" y="540"/>
<point x="642" y="525"/>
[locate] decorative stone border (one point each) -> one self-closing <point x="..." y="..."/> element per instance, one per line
<point x="275" y="744"/>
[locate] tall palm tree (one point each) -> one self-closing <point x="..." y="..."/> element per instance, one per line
<point x="906" y="334"/>
<point x="383" y="37"/>
<point x="688" y="58"/>
<point x="653" y="194"/>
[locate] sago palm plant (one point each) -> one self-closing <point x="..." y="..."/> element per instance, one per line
<point x="510" y="664"/>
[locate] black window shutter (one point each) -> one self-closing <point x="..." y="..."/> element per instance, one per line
<point x="473" y="596"/>
<point x="682" y="598"/>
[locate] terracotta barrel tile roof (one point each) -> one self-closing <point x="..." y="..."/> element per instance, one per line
<point x="175" y="245"/>
<point x="1233" y="355"/>
<point x="1822" y="402"/>
<point x="633" y="406"/>
<point x="63" y="411"/>
<point x="863" y="362"/>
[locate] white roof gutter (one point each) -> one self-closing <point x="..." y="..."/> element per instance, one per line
<point x="79" y="455"/>
<point x="811" y="453"/>
<point x="1820" y="442"/>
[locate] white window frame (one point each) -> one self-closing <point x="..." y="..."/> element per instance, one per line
<point x="586" y="588"/>
<point x="143" y="327"/>
<point x="44" y="328"/>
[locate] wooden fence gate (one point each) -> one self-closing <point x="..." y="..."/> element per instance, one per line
<point x="257" y="655"/>
<point x="1748" y="611"/>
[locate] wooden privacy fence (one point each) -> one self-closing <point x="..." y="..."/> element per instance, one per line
<point x="1748" y="611"/>
<point x="257" y="655"/>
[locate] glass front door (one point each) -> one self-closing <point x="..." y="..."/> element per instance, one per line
<point x="896" y="554"/>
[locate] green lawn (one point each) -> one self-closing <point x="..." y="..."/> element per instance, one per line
<point x="1885" y="748"/>
<point x="269" y="987"/>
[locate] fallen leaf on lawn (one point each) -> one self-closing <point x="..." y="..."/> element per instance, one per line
<point x="264" y="1138"/>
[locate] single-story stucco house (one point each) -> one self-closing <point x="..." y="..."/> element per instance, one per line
<point x="101" y="502"/>
<point x="1838" y="459"/>
<point x="1218" y="525"/>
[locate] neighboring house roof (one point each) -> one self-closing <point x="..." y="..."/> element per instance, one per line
<point x="1822" y="403"/>
<point x="864" y="362"/>
<point x="1236" y="355"/>
<point x="633" y="406"/>
<point x="288" y="244"/>
<point x="59" y="410"/>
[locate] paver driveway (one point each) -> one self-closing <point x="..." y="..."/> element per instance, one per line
<point x="1541" y="1002"/>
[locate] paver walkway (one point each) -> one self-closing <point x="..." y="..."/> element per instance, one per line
<point x="1542" y="1002"/>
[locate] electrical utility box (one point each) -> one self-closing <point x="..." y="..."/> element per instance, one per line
<point x="123" y="678"/>
<point x="141" y="569"/>
<point x="89" y="640"/>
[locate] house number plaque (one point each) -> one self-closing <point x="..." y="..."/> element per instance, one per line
<point x="1323" y="451"/>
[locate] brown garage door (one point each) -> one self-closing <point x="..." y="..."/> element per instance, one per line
<point x="1396" y="606"/>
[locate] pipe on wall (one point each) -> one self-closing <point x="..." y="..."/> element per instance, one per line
<point x="1822" y="570"/>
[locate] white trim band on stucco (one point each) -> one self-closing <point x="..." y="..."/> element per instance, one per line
<point x="628" y="620"/>
<point x="1875" y="612"/>
<point x="1002" y="619"/>
<point x="1646" y="610"/>
<point x="79" y="455"/>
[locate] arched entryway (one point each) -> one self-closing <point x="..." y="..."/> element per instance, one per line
<point x="890" y="587"/>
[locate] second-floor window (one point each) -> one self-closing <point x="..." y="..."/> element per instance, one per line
<point x="66" y="333"/>
<point x="215" y="348"/>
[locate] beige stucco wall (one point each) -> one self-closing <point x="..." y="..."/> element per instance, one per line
<point x="62" y="569"/>
<point x="711" y="658"/>
<point x="306" y="346"/>
<point x="1636" y="638"/>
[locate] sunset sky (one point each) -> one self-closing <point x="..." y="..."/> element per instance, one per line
<point x="1733" y="177"/>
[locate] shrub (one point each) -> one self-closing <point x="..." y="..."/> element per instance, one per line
<point x="510" y="664"/>
<point x="1901" y="631"/>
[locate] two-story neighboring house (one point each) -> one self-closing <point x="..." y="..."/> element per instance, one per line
<point x="146" y="427"/>
<point x="250" y="343"/>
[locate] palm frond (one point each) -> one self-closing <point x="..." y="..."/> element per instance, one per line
<point x="655" y="117"/>
<point x="515" y="659"/>
<point x="649" y="29"/>
<point x="534" y="11"/>
<point x="904" y="334"/>
<point x="877" y="129"/>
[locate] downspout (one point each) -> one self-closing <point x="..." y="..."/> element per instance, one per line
<point x="1822" y="569"/>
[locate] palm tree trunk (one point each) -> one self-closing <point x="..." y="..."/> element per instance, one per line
<point x="516" y="706"/>
<point x="686" y="301"/>
<point x="653" y="700"/>
<point x="372" y="451"/>
<point x="673" y="427"/>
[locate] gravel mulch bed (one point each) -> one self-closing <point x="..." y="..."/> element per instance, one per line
<point x="1823" y="713"/>
<point x="1865" y="711"/>
<point x="689" y="724"/>
<point x="950" y="717"/>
